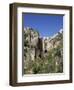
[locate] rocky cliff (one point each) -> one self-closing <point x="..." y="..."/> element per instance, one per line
<point x="42" y="55"/>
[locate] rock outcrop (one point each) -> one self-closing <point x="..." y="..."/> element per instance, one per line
<point x="37" y="48"/>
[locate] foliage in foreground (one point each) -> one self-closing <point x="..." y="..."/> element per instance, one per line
<point x="46" y="64"/>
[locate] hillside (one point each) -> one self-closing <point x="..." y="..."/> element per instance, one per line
<point x="42" y="55"/>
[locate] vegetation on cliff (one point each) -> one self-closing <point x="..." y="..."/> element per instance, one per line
<point x="51" y="60"/>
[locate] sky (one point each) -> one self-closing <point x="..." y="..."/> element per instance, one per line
<point x="46" y="25"/>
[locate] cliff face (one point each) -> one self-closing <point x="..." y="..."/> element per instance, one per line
<point x="30" y="43"/>
<point x="53" y="42"/>
<point x="42" y="55"/>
